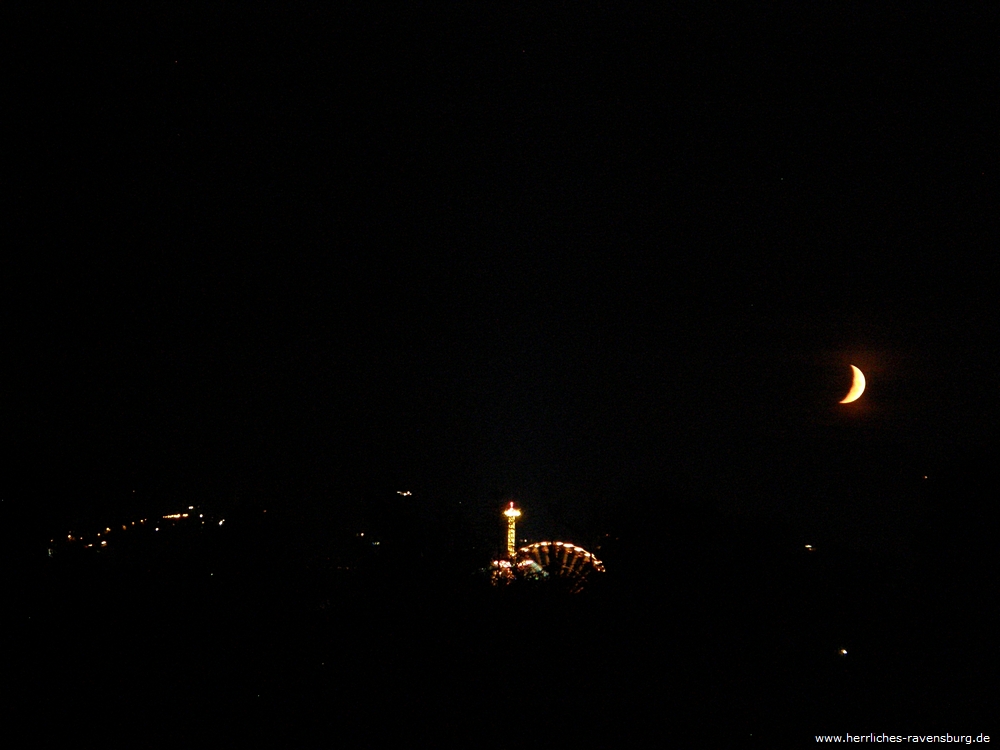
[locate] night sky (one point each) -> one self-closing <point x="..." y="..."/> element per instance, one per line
<point x="610" y="267"/>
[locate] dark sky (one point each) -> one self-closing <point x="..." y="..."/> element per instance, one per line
<point x="605" y="264"/>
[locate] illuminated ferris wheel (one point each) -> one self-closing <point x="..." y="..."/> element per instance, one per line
<point x="558" y="562"/>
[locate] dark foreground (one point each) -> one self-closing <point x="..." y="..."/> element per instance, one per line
<point x="708" y="638"/>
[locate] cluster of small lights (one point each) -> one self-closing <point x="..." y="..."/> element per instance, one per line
<point x="405" y="493"/>
<point x="101" y="542"/>
<point x="71" y="537"/>
<point x="501" y="572"/>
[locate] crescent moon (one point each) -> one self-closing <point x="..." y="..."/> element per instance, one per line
<point x="857" y="387"/>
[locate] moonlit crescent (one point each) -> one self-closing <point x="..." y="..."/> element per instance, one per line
<point x="857" y="387"/>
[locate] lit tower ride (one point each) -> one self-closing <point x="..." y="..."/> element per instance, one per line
<point x="512" y="514"/>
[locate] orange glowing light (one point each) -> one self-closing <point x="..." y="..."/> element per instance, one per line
<point x="857" y="387"/>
